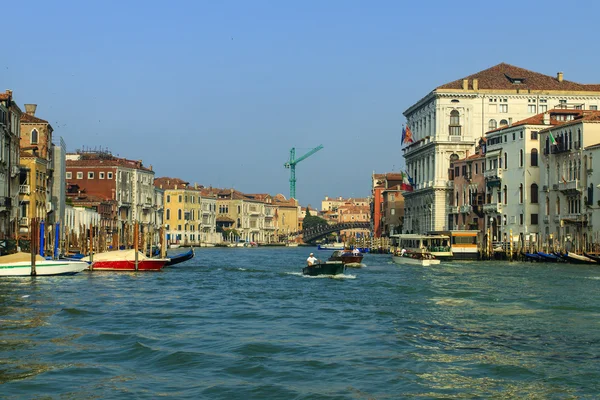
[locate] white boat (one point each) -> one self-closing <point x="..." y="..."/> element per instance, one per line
<point x="19" y="264"/>
<point x="291" y="244"/>
<point x="415" y="259"/>
<point x="436" y="245"/>
<point x="331" y="246"/>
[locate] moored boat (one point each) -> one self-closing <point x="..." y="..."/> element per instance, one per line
<point x="19" y="264"/>
<point x="331" y="246"/>
<point x="422" y="259"/>
<point x="324" y="268"/>
<point x="179" y="258"/>
<point x="347" y="257"/>
<point x="578" y="259"/>
<point x="547" y="257"/>
<point x="124" y="260"/>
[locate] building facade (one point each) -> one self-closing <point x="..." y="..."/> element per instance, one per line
<point x="10" y="129"/>
<point x="447" y="123"/>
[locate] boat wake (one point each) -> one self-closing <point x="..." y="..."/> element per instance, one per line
<point x="338" y="276"/>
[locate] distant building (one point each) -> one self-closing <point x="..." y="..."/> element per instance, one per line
<point x="392" y="214"/>
<point x="379" y="184"/>
<point x="10" y="128"/>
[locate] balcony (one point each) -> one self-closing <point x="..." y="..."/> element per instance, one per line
<point x="572" y="186"/>
<point x="493" y="174"/>
<point x="556" y="218"/>
<point x="492" y="208"/>
<point x="24" y="189"/>
<point x="24" y="221"/>
<point x="5" y="201"/>
<point x="452" y="209"/>
<point x="455" y="132"/>
<point x="466" y="209"/>
<point x="546" y="219"/>
<point x="147" y="205"/>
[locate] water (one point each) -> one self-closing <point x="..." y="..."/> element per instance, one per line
<point x="244" y="324"/>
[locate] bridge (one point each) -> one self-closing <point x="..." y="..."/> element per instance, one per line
<point x="319" y="231"/>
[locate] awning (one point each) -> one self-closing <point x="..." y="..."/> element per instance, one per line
<point x="493" y="153"/>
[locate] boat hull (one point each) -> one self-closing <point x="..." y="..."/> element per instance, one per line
<point x="43" y="268"/>
<point x="349" y="259"/>
<point x="414" y="261"/>
<point x="188" y="255"/>
<point x="331" y="246"/>
<point x="128" y="265"/>
<point x="327" y="268"/>
<point x="577" y="259"/>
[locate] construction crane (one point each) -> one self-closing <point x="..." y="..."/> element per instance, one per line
<point x="292" y="166"/>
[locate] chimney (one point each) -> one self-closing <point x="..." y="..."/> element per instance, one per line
<point x="9" y="92"/>
<point x="465" y="84"/>
<point x="559" y="76"/>
<point x="475" y="84"/>
<point x="175" y="187"/>
<point x="546" y="118"/>
<point x="195" y="185"/>
<point x="30" y="109"/>
<point x="150" y="167"/>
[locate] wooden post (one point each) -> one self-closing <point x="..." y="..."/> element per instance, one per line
<point x="33" y="229"/>
<point x="163" y="243"/>
<point x="135" y="243"/>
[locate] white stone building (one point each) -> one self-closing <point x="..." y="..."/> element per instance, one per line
<point x="448" y="121"/>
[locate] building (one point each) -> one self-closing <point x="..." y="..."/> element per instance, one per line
<point x="332" y="204"/>
<point x="568" y="193"/>
<point x="37" y="167"/>
<point x="447" y="123"/>
<point x="392" y="211"/>
<point x="379" y="184"/>
<point x="129" y="182"/>
<point x="189" y="213"/>
<point x="10" y="129"/>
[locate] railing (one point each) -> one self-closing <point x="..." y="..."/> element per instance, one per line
<point x="466" y="209"/>
<point x="494" y="173"/>
<point x="546" y="219"/>
<point x="492" y="208"/>
<point x="24" y="189"/>
<point x="454" y="130"/>
<point x="573" y="185"/>
<point x="557" y="218"/>
<point x="555" y="186"/>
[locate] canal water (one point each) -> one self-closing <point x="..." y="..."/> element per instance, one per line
<point x="243" y="323"/>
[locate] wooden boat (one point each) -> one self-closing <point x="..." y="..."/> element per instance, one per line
<point x="179" y="258"/>
<point x="546" y="257"/>
<point x="422" y="259"/>
<point x="19" y="264"/>
<point x="534" y="257"/>
<point x="578" y="259"/>
<point x="124" y="260"/>
<point x="325" y="268"/>
<point x="594" y="257"/>
<point x="347" y="257"/>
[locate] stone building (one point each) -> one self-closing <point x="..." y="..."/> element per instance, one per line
<point x="10" y="129"/>
<point x="447" y="123"/>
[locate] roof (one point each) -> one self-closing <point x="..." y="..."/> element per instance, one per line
<point x="538" y="119"/>
<point x="170" y="183"/>
<point x="506" y="77"/>
<point x="108" y="162"/>
<point x="588" y="116"/>
<point x="224" y="219"/>
<point x="30" y="119"/>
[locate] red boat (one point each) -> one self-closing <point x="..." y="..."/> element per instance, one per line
<point x="124" y="260"/>
<point x="347" y="257"/>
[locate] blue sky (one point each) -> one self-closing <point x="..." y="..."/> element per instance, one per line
<point x="218" y="92"/>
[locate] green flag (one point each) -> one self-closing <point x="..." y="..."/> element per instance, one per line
<point x="552" y="138"/>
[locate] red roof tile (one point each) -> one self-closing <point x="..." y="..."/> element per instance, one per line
<point x="30" y="119"/>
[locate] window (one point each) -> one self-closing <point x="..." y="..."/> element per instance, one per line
<point x="534" y="157"/>
<point x="543" y="108"/>
<point x="514" y="136"/>
<point x="179" y="199"/>
<point x="69" y="175"/>
<point x="521" y="158"/>
<point x="179" y="214"/>
<point x="454" y="123"/>
<point x="492" y="124"/>
<point x="79" y="175"/>
<point x="503" y="122"/>
<point x="109" y="175"/>
<point x="534" y="193"/>
<point x="534" y="219"/>
<point x="531" y="108"/>
<point x="168" y="214"/>
<point x="34" y="136"/>
<point x="534" y="135"/>
<point x="168" y="198"/>
<point x="100" y="175"/>
<point x="521" y="193"/>
<point x="520" y="134"/>
<point x="503" y="108"/>
<point x="520" y="219"/>
<point x="505" y="193"/>
<point x="593" y="107"/>
<point x="90" y="175"/>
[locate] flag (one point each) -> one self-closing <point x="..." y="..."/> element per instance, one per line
<point x="406" y="184"/>
<point x="552" y="140"/>
<point x="409" y="137"/>
<point x="403" y="135"/>
<point x="410" y="180"/>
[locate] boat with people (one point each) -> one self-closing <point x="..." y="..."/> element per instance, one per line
<point x="331" y="246"/>
<point x="179" y="258"/>
<point x="324" y="268"/>
<point x="125" y="260"/>
<point x="436" y="245"/>
<point x="20" y="264"/>
<point x="350" y="258"/>
<point x="423" y="259"/>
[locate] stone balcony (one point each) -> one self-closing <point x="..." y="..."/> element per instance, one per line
<point x="492" y="208"/>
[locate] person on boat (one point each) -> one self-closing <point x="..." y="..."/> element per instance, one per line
<point x="402" y="252"/>
<point x="355" y="251"/>
<point x="311" y="260"/>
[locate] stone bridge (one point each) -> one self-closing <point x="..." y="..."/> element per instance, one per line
<point x="317" y="232"/>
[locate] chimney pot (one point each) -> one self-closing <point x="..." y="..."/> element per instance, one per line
<point x="475" y="84"/>
<point x="30" y="109"/>
<point x="559" y="76"/>
<point x="465" y="84"/>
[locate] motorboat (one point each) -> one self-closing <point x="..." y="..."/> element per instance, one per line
<point x="325" y="268"/>
<point x="124" y="260"/>
<point x="349" y="258"/>
<point x="19" y="264"/>
<point x="423" y="259"/>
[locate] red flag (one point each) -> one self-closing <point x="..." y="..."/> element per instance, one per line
<point x="409" y="137"/>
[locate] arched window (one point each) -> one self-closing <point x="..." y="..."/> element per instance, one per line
<point x="179" y="214"/>
<point x="570" y="175"/>
<point x="168" y="214"/>
<point x="547" y="205"/>
<point x="505" y="160"/>
<point x="454" y="123"/>
<point x="503" y="122"/>
<point x="534" y="193"/>
<point x="505" y="193"/>
<point x="492" y="124"/>
<point x="558" y="205"/>
<point x="547" y="146"/>
<point x="521" y="193"/>
<point x="578" y="169"/>
<point x="534" y="157"/>
<point x="456" y="199"/>
<point x="34" y="136"/>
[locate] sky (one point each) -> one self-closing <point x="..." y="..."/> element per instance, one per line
<point x="218" y="92"/>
